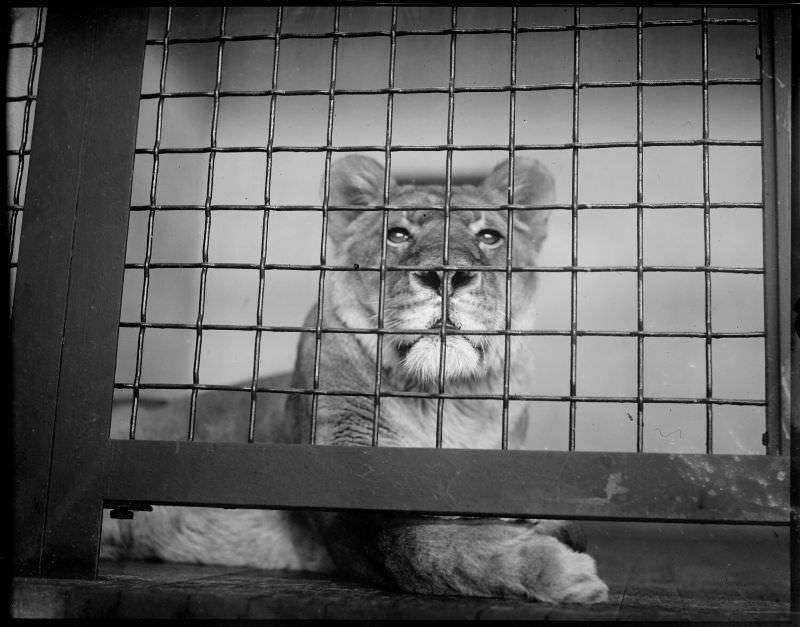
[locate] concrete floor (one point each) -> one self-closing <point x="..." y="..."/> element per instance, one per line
<point x="655" y="572"/>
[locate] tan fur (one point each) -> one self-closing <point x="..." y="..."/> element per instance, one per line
<point x="438" y="555"/>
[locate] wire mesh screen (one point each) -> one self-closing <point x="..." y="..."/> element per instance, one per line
<point x="24" y="52"/>
<point x="649" y="330"/>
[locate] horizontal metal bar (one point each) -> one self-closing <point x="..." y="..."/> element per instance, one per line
<point x="472" y="207"/>
<point x="317" y="208"/>
<point x="22" y="98"/>
<point x="444" y="395"/>
<point x="132" y="324"/>
<point x="461" y="89"/>
<point x="442" y="147"/>
<point x="25" y="44"/>
<point x="451" y="31"/>
<point x="631" y="486"/>
<point x="439" y="267"/>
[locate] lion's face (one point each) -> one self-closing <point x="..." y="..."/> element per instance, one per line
<point x="474" y="289"/>
<point x="475" y="297"/>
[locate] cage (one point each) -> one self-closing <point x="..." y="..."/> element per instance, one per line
<point x="197" y="171"/>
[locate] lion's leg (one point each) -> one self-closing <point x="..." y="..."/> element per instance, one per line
<point x="475" y="558"/>
<point x="234" y="537"/>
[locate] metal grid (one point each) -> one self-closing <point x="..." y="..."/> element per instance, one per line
<point x="165" y="41"/>
<point x="24" y="48"/>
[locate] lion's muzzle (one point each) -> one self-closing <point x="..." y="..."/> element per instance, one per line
<point x="455" y="280"/>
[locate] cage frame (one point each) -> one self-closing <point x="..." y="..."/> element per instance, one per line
<point x="67" y="306"/>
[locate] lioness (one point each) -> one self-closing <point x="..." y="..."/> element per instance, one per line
<point x="438" y="555"/>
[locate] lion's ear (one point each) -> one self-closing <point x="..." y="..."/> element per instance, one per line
<point x="533" y="183"/>
<point x="356" y="180"/>
<point x="533" y="186"/>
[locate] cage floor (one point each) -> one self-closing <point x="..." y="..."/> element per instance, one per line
<point x="655" y="572"/>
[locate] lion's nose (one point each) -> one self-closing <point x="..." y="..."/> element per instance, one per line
<point x="456" y="280"/>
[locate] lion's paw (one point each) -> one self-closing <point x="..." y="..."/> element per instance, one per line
<point x="587" y="592"/>
<point x="575" y="579"/>
<point x="580" y="584"/>
<point x="555" y="573"/>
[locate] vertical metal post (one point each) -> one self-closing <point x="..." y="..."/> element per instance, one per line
<point x="573" y="299"/>
<point x="794" y="533"/>
<point x="639" y="232"/>
<point x="775" y="43"/>
<point x="151" y="217"/>
<point x="323" y="244"/>
<point x="41" y="290"/>
<point x="709" y="352"/>
<point x="387" y="180"/>
<point x="5" y="285"/>
<point x="262" y="273"/>
<point x="69" y="284"/>
<point x="448" y="188"/>
<point x="207" y="213"/>
<point x="512" y="150"/>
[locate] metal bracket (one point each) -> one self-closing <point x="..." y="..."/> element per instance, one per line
<point x="123" y="510"/>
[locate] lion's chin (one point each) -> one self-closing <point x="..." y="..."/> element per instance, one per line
<point x="462" y="359"/>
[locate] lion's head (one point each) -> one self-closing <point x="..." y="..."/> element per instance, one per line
<point x="414" y="238"/>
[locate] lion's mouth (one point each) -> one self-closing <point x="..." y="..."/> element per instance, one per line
<point x="404" y="345"/>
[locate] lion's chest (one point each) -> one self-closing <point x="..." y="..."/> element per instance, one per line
<point x="465" y="423"/>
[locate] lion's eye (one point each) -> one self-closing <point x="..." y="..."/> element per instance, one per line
<point x="398" y="235"/>
<point x="489" y="237"/>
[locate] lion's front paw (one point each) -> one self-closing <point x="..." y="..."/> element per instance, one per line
<point x="555" y="573"/>
<point x="579" y="583"/>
